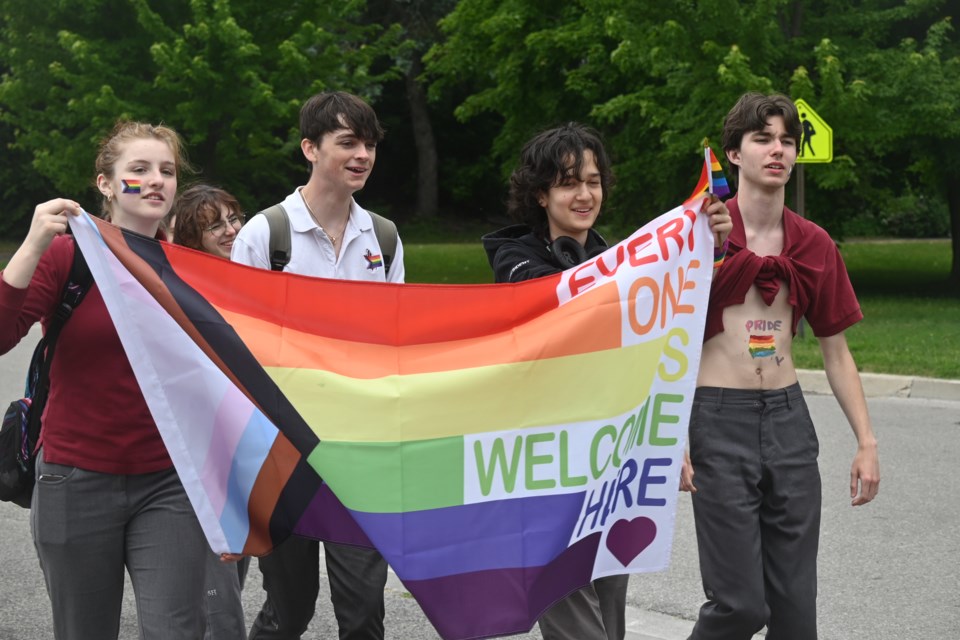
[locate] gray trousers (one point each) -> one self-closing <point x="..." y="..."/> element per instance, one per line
<point x="225" y="620"/>
<point x="595" y="612"/>
<point x="88" y="527"/>
<point x="757" y="513"/>
<point x="291" y="578"/>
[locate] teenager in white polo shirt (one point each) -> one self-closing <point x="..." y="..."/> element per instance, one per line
<point x="331" y="236"/>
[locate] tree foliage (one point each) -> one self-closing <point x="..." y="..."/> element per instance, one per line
<point x="656" y="76"/>
<point x="229" y="75"/>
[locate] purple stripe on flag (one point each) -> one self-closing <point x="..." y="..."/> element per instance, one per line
<point x="495" y="602"/>
<point x="520" y="532"/>
<point x="327" y="519"/>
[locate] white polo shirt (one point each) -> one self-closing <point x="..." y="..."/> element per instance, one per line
<point x="312" y="253"/>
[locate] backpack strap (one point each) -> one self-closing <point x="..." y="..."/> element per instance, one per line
<point x="38" y="382"/>
<point x="279" y="224"/>
<point x="387" y="237"/>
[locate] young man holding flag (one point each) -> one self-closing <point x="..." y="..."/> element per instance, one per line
<point x="752" y="444"/>
<point x="331" y="236"/>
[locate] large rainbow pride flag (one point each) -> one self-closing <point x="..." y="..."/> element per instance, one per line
<point x="501" y="445"/>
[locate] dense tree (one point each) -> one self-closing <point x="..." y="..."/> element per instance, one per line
<point x="227" y="74"/>
<point x="416" y="20"/>
<point x="658" y="76"/>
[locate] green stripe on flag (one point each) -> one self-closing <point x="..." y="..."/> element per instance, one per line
<point x="392" y="477"/>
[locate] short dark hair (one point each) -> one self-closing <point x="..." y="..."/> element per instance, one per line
<point x="196" y="209"/>
<point x="752" y="113"/>
<point x="332" y="110"/>
<point x="545" y="161"/>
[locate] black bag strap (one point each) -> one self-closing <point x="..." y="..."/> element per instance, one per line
<point x="280" y="240"/>
<point x="78" y="284"/>
<point x="279" y="224"/>
<point x="387" y="237"/>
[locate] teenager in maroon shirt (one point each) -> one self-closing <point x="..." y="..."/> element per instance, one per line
<point x="107" y="497"/>
<point x="752" y="444"/>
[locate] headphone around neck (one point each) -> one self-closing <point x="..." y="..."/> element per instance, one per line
<point x="567" y="251"/>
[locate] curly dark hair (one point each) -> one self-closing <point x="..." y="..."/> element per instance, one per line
<point x="547" y="160"/>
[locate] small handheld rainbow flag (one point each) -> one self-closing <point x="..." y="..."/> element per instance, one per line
<point x="717" y="182"/>
<point x="130" y="186"/>
<point x="711" y="180"/>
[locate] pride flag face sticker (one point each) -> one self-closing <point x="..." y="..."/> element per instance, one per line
<point x="130" y="186"/>
<point x="762" y="346"/>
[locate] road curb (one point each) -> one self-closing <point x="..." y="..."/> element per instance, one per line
<point x="880" y="385"/>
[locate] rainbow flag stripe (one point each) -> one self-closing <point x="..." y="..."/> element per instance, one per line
<point x="130" y="186"/>
<point x="501" y="445"/>
<point x="712" y="179"/>
<point x="762" y="346"/>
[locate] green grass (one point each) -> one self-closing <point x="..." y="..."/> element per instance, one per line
<point x="446" y="263"/>
<point x="911" y="322"/>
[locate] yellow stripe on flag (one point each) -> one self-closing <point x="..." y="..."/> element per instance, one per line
<point x="469" y="401"/>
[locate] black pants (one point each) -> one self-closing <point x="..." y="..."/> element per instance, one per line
<point x="291" y="578"/>
<point x="757" y="513"/>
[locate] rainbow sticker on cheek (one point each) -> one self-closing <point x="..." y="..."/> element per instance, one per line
<point x="762" y="346"/>
<point x="130" y="186"/>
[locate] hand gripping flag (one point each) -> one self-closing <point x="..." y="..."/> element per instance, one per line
<point x="501" y="445"/>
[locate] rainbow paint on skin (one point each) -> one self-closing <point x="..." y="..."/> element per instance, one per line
<point x="130" y="186"/>
<point x="762" y="346"/>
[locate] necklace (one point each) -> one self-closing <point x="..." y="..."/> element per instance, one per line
<point x="333" y="238"/>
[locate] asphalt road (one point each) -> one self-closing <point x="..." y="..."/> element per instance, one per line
<point x="888" y="571"/>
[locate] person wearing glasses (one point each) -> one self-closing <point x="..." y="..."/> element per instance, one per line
<point x="207" y="219"/>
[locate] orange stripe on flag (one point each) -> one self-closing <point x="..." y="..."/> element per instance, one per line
<point x="589" y="323"/>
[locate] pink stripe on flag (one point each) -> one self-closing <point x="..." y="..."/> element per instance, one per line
<point x="234" y="409"/>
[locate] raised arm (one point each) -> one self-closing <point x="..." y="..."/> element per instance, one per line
<point x="49" y="221"/>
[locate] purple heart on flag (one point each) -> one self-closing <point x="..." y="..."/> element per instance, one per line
<point x="628" y="538"/>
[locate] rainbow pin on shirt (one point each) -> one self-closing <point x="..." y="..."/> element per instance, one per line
<point x="762" y="346"/>
<point x="130" y="186"/>
<point x="374" y="261"/>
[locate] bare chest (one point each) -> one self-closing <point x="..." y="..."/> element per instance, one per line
<point x="754" y="350"/>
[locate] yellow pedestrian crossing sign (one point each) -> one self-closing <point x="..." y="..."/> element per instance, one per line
<point x="816" y="139"/>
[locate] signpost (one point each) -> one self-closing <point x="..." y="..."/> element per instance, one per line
<point x="815" y="145"/>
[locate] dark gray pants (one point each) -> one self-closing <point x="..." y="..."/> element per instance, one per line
<point x="757" y="513"/>
<point x="596" y="612"/>
<point x="291" y="578"/>
<point x="225" y="619"/>
<point x="88" y="527"/>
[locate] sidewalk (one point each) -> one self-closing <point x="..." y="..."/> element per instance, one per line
<point x="880" y="385"/>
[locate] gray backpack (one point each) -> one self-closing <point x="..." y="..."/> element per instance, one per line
<point x="279" y="224"/>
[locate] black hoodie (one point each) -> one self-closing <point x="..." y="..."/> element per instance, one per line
<point x="516" y="253"/>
